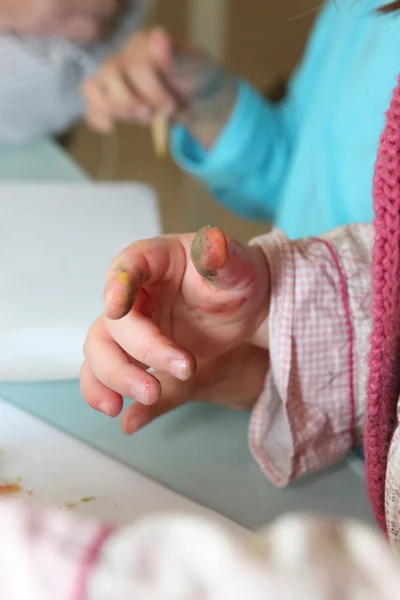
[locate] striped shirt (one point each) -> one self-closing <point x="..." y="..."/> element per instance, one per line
<point x="40" y="79"/>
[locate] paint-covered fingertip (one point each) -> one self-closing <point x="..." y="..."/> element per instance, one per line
<point x="120" y="294"/>
<point x="209" y="251"/>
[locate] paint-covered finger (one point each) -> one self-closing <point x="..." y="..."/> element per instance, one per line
<point x="226" y="264"/>
<point x="149" y="261"/>
<point x="141" y="339"/>
<point x="97" y="395"/>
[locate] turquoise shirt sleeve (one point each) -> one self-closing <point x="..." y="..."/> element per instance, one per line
<point x="246" y="169"/>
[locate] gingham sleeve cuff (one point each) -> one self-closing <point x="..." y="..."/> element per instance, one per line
<point x="310" y="411"/>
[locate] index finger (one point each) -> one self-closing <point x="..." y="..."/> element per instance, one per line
<point x="147" y="261"/>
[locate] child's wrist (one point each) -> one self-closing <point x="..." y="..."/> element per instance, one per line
<point x="211" y="107"/>
<point x="260" y="336"/>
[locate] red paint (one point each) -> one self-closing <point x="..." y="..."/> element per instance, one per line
<point x="209" y="250"/>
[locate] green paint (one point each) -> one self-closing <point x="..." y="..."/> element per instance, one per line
<point x="198" y="246"/>
<point x="88" y="499"/>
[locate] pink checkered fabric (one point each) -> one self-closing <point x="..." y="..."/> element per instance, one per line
<point x="312" y="409"/>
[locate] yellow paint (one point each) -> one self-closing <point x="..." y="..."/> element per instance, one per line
<point x="72" y="505"/>
<point x="88" y="499"/>
<point x="124" y="277"/>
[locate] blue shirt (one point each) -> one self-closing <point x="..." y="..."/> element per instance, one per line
<point x="307" y="163"/>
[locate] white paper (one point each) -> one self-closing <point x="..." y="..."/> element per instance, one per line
<point x="58" y="470"/>
<point x="56" y="243"/>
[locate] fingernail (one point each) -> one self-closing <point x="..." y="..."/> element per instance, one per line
<point x="105" y="408"/>
<point x="141" y="393"/>
<point x="179" y="368"/>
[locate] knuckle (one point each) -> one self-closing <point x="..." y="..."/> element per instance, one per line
<point x="110" y="380"/>
<point x="147" y="356"/>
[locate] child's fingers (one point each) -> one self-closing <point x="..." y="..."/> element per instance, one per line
<point x="142" y="339"/>
<point x="97" y="395"/>
<point x="109" y="98"/>
<point x="113" y="368"/>
<point x="152" y="47"/>
<point x="99" y="122"/>
<point x="98" y="112"/>
<point x="174" y="394"/>
<point x="148" y="261"/>
<point x="150" y="88"/>
<point x="122" y="101"/>
<point x="116" y="90"/>
<point x="146" y="61"/>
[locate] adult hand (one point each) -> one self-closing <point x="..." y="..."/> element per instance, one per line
<point x="77" y="20"/>
<point x="176" y="304"/>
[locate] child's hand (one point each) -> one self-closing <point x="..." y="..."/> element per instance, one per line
<point x="172" y="304"/>
<point x="154" y="73"/>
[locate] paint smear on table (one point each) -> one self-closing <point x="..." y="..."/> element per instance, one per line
<point x="10" y="489"/>
<point x="85" y="500"/>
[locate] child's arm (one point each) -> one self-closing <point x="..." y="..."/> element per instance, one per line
<point x="224" y="132"/>
<point x="235" y="141"/>
<point x="311" y="411"/>
<point x="41" y="78"/>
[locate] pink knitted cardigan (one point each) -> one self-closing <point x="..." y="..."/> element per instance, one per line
<point x="384" y="360"/>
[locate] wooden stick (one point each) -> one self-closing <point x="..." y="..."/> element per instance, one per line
<point x="159" y="131"/>
<point x="159" y="125"/>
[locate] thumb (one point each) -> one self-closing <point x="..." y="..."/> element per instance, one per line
<point x="225" y="263"/>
